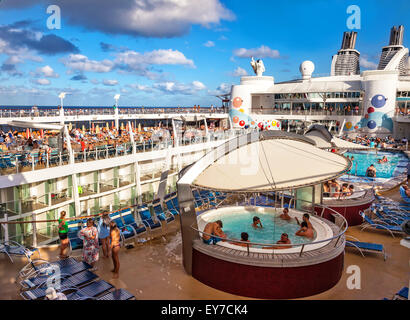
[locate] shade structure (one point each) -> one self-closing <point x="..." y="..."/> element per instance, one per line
<point x="268" y="164"/>
<point x="324" y="139"/>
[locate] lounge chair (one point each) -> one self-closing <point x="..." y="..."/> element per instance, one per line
<point x="148" y="221"/>
<point x="13" y="248"/>
<point x="161" y="215"/>
<point x="366" y="247"/>
<point x="128" y="219"/>
<point x="403" y="195"/>
<point x="42" y="274"/>
<point x="171" y="208"/>
<point x="371" y="224"/>
<point x="118" y="294"/>
<point x="402" y="294"/>
<point x="92" y="290"/>
<point x="74" y="227"/>
<point x="35" y="266"/>
<point x="127" y="231"/>
<point x="66" y="283"/>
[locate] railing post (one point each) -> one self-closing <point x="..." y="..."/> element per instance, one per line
<point x="301" y="250"/>
<point x="247" y="248"/>
<point x="32" y="163"/>
<point x="85" y="156"/>
<point x="34" y="230"/>
<point x="47" y="159"/>
<point x="6" y="227"/>
<point x="61" y="158"/>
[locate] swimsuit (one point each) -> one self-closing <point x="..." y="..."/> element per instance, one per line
<point x="212" y="239"/>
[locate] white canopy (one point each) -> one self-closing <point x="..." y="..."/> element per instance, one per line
<point x="324" y="140"/>
<point x="274" y="164"/>
<point x="34" y="125"/>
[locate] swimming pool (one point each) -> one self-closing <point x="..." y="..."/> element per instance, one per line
<point x="397" y="163"/>
<point x="239" y="219"/>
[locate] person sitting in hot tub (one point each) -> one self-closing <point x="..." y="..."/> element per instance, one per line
<point x="304" y="231"/>
<point x="371" y="171"/>
<point x="384" y="159"/>
<point x="351" y="190"/>
<point x="284" y="239"/>
<point x="305" y="219"/>
<point x="285" y="215"/>
<point x="245" y="238"/>
<point x="257" y="222"/>
<point x="345" y="190"/>
<point x="215" y="230"/>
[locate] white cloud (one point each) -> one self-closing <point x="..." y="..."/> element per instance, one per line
<point x="94" y="81"/>
<point x="171" y="87"/>
<point x="42" y="81"/>
<point x="79" y="62"/>
<point x="209" y="44"/>
<point x="367" y="64"/>
<point x="108" y="82"/>
<point x="47" y="72"/>
<point x="158" y="57"/>
<point x="223" y="88"/>
<point x="261" y="52"/>
<point x="239" y="72"/>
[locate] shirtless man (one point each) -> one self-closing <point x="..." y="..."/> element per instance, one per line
<point x="257" y="223"/>
<point x="214" y="229"/>
<point x="245" y="238"/>
<point x="285" y="215"/>
<point x="115" y="247"/>
<point x="284" y="239"/>
<point x="305" y="219"/>
<point x="304" y="231"/>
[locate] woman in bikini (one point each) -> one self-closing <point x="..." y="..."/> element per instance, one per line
<point x="115" y="247"/>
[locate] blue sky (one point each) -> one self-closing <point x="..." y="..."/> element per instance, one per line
<point x="174" y="52"/>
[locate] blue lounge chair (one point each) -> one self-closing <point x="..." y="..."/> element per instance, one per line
<point x="13" y="248"/>
<point x="366" y="247"/>
<point x="36" y="266"/>
<point x="402" y="294"/>
<point x="171" y="208"/>
<point x="74" y="227"/>
<point x="148" y="221"/>
<point x="159" y="212"/>
<point x="129" y="220"/>
<point x="119" y="294"/>
<point x="127" y="231"/>
<point x="371" y="224"/>
<point x="42" y="275"/>
<point x="403" y="195"/>
<point x="90" y="291"/>
<point x="66" y="283"/>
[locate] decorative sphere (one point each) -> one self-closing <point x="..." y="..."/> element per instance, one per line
<point x="306" y="68"/>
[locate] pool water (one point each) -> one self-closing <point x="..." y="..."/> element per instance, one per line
<point x="273" y="227"/>
<point x="397" y="162"/>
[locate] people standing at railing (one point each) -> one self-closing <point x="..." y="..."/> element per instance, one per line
<point x="63" y="234"/>
<point x="91" y="249"/>
<point x="104" y="234"/>
<point x="115" y="238"/>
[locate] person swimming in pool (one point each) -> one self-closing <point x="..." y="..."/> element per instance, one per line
<point x="214" y="232"/>
<point x="285" y="215"/>
<point x="257" y="223"/>
<point x="383" y="160"/>
<point x="371" y="171"/>
<point x="284" y="239"/>
<point x="304" y="231"/>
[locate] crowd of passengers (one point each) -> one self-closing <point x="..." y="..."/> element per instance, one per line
<point x="44" y="141"/>
<point x="372" y="142"/>
<point x="213" y="232"/>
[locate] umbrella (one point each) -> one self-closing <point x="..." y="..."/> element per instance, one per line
<point x="27" y="133"/>
<point x="83" y="129"/>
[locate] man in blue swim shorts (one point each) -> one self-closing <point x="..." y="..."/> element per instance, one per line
<point x="213" y="232"/>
